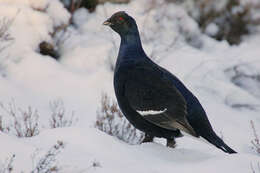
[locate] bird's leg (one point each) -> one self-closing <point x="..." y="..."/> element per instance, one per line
<point x="147" y="138"/>
<point x="171" y="143"/>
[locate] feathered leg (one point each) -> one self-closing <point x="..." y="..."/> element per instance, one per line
<point x="147" y="138"/>
<point x="171" y="143"/>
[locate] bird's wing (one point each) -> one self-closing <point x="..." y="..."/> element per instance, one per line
<point x="155" y="97"/>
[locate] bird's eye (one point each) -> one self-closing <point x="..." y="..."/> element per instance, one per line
<point x="121" y="19"/>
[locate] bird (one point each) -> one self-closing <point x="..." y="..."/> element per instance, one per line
<point x="151" y="98"/>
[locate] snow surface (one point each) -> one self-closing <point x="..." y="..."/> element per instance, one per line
<point x="83" y="73"/>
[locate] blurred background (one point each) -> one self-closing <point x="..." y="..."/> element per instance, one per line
<point x="222" y="20"/>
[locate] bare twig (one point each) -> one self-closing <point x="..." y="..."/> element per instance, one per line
<point x="24" y="123"/>
<point x="5" y="38"/>
<point x="58" y="116"/>
<point x="253" y="169"/>
<point x="111" y="121"/>
<point x="256" y="141"/>
<point x="7" y="167"/>
<point x="47" y="163"/>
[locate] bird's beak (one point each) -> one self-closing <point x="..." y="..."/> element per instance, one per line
<point x="107" y="22"/>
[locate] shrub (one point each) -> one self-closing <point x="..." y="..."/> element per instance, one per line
<point x="73" y="5"/>
<point x="23" y="123"/>
<point x="7" y="166"/>
<point x="51" y="47"/>
<point x="111" y="121"/>
<point x="225" y="20"/>
<point x="255" y="141"/>
<point x="59" y="117"/>
<point x="47" y="48"/>
<point x="47" y="163"/>
<point x="5" y="41"/>
<point x="115" y="1"/>
<point x="5" y="37"/>
<point x="253" y="169"/>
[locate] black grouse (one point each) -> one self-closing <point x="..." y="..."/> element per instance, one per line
<point x="151" y="98"/>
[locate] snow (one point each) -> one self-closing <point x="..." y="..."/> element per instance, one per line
<point x="206" y="67"/>
<point x="212" y="29"/>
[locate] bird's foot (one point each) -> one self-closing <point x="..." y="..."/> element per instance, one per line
<point x="147" y="138"/>
<point x="171" y="143"/>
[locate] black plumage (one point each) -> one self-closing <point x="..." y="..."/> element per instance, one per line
<point x="150" y="97"/>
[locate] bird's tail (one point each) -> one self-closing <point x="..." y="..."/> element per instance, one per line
<point x="219" y="143"/>
<point x="185" y="126"/>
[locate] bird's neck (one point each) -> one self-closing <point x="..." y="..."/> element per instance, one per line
<point x="131" y="46"/>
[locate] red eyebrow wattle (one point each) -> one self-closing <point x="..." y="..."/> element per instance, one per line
<point x="121" y="18"/>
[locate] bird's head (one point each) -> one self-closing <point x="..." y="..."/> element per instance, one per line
<point x="122" y="23"/>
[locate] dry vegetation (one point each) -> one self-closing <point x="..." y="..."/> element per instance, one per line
<point x="7" y="166"/>
<point x="255" y="142"/>
<point x="73" y="5"/>
<point x="25" y="122"/>
<point x="22" y="123"/>
<point x="5" y="41"/>
<point x="59" y="116"/>
<point x="255" y="170"/>
<point x="111" y="121"/>
<point x="47" y="163"/>
<point x="5" y="37"/>
<point x="41" y="164"/>
<point x="233" y="19"/>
